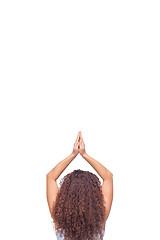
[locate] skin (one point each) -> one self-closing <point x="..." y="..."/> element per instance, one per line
<point x="104" y="173"/>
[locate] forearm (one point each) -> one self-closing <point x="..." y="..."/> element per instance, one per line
<point x="100" y="169"/>
<point x="61" y="166"/>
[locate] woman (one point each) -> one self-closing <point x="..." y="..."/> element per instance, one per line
<point x="81" y="206"/>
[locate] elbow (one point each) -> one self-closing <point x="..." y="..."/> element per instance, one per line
<point x="108" y="175"/>
<point x="47" y="175"/>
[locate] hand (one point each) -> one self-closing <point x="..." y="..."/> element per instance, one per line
<point x="82" y="145"/>
<point x="76" y="145"/>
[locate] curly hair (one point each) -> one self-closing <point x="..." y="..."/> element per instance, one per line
<point x="79" y="211"/>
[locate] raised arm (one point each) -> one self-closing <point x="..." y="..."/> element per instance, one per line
<point x="61" y="166"/>
<point x="100" y="169"/>
<point x="51" y="177"/>
<point x="104" y="173"/>
<point x="107" y="185"/>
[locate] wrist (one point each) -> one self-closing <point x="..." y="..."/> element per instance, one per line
<point x="83" y="154"/>
<point x="74" y="154"/>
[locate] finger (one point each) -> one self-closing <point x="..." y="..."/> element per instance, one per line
<point x="77" y="144"/>
<point x="77" y="138"/>
<point x="82" y="143"/>
<point x="80" y="134"/>
<point x="81" y="140"/>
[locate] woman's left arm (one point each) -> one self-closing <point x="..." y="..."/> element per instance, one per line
<point x="51" y="177"/>
<point x="51" y="184"/>
<point x="61" y="166"/>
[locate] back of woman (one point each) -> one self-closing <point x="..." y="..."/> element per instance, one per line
<point x="81" y="206"/>
<point x="79" y="210"/>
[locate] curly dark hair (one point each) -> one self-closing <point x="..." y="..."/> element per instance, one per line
<point x="79" y="211"/>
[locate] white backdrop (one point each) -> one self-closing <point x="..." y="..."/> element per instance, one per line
<point x="69" y="66"/>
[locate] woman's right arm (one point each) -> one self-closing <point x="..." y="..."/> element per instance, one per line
<point x="107" y="185"/>
<point x="100" y="169"/>
<point x="104" y="173"/>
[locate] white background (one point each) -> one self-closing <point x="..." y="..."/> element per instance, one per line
<point x="67" y="66"/>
